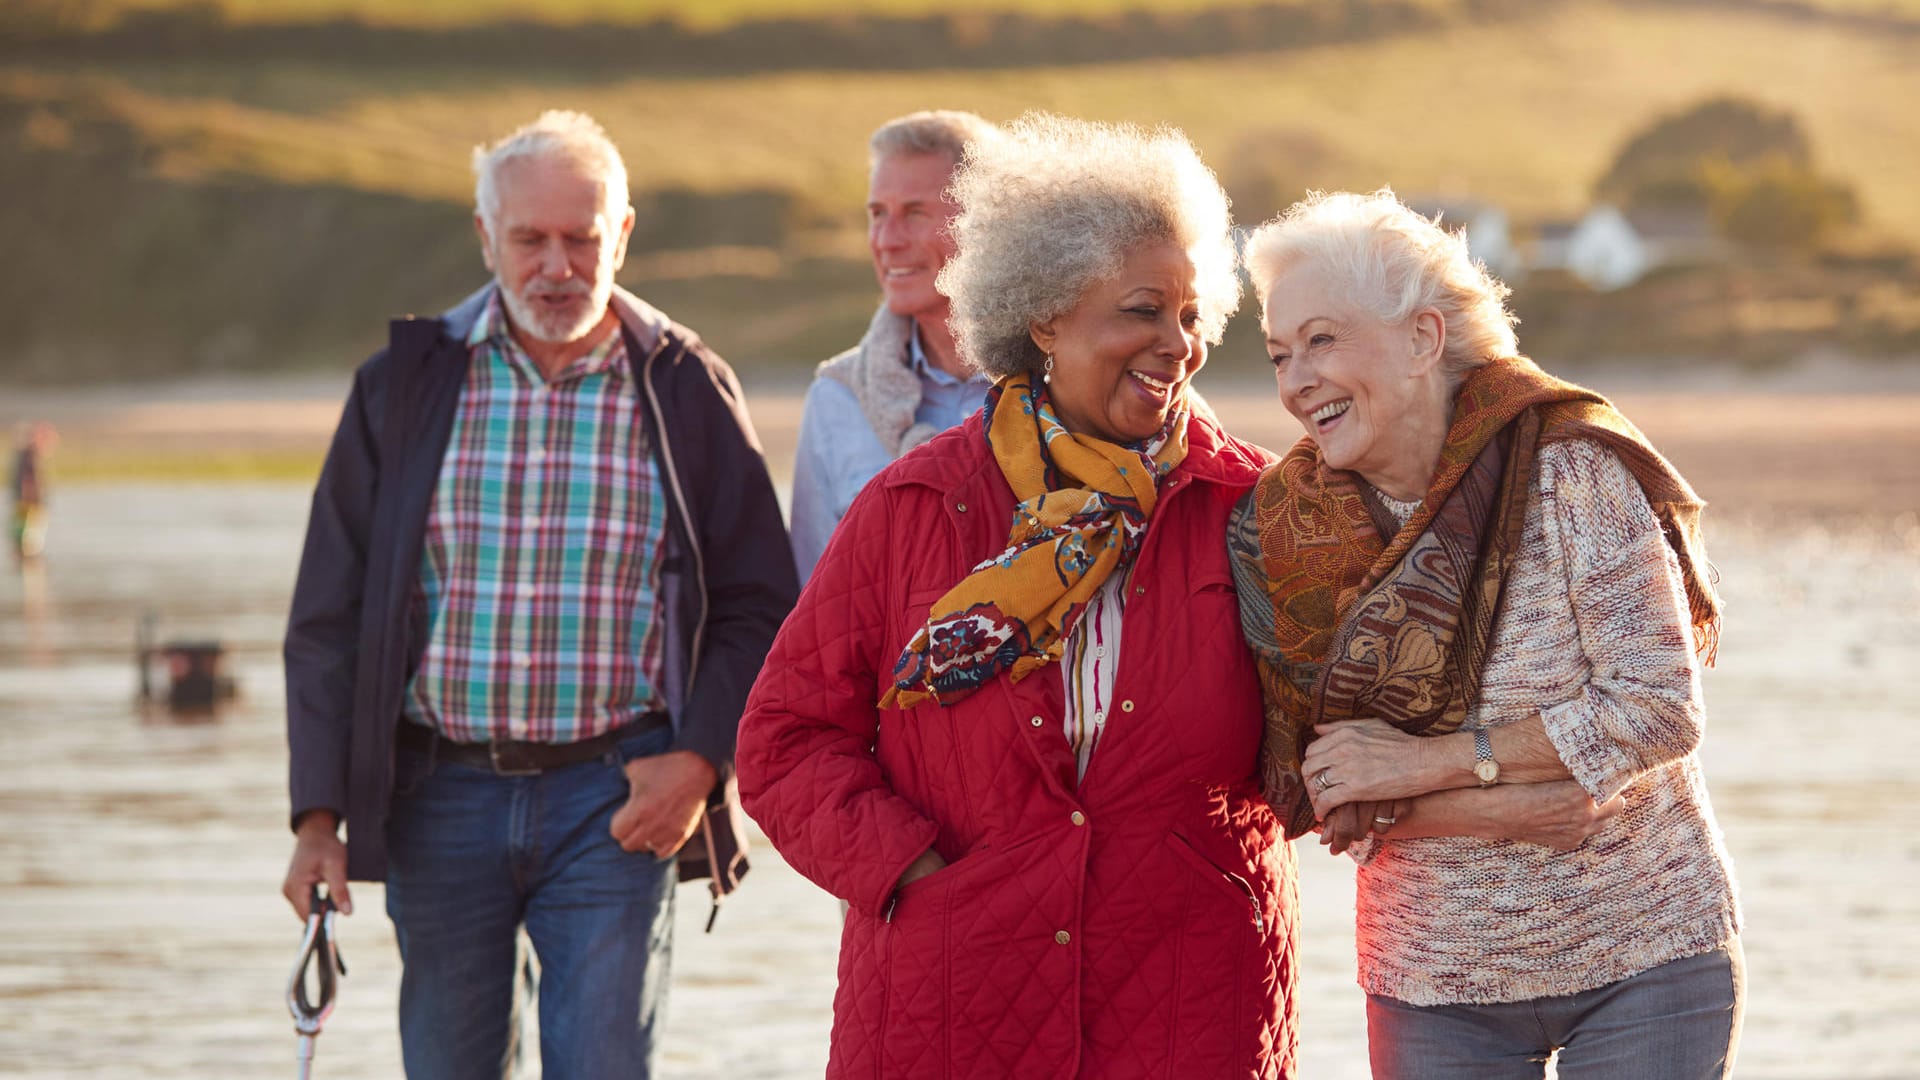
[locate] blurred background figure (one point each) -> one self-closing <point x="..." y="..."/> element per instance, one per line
<point x="28" y="485"/>
<point x="905" y="382"/>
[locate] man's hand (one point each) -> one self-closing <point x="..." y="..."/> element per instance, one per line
<point x="318" y="858"/>
<point x="666" y="794"/>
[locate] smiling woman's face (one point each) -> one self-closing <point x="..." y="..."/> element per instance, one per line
<point x="1123" y="355"/>
<point x="1351" y="380"/>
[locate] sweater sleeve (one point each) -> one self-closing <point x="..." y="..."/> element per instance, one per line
<point x="808" y="773"/>
<point x="1641" y="706"/>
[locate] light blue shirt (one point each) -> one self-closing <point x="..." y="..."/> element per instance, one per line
<point x="838" y="451"/>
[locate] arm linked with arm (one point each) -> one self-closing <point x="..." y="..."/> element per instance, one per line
<point x="1556" y="814"/>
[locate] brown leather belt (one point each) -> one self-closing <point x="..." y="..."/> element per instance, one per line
<point x="509" y="758"/>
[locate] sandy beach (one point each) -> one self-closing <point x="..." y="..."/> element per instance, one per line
<point x="142" y="935"/>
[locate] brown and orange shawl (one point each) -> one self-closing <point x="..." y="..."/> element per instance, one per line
<point x="1350" y="615"/>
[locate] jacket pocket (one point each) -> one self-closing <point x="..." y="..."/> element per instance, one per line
<point x="918" y="933"/>
<point x="1222" y="969"/>
<point x="1226" y="881"/>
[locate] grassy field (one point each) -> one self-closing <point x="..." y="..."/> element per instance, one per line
<point x="266" y="211"/>
<point x="1526" y="113"/>
<point x="703" y="14"/>
<point x="708" y="14"/>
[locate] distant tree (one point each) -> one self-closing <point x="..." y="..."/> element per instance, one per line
<point x="1778" y="205"/>
<point x="1662" y="164"/>
<point x="1748" y="165"/>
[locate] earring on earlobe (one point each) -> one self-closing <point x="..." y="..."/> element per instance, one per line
<point x="1046" y="373"/>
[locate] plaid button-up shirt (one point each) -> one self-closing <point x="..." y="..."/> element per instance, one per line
<point x="539" y="578"/>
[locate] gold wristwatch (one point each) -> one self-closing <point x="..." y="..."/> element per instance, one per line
<point x="1484" y="767"/>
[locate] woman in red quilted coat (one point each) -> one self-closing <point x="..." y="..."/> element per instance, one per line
<point x="1012" y="722"/>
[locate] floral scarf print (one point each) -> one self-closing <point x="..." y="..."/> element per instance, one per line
<point x="1350" y="615"/>
<point x="1083" y="509"/>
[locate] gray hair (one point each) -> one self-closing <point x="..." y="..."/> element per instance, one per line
<point x="931" y="131"/>
<point x="574" y="137"/>
<point x="1392" y="262"/>
<point x="1055" y="205"/>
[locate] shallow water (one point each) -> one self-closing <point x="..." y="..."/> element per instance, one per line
<point x="142" y="933"/>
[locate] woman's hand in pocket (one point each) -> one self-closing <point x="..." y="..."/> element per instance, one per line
<point x="927" y="863"/>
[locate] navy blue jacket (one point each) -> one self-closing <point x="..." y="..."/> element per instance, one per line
<point x="726" y="583"/>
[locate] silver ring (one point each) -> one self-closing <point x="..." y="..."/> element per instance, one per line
<point x="1378" y="820"/>
<point x="1320" y="780"/>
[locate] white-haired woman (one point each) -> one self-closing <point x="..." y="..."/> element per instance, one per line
<point x="1472" y="575"/>
<point x="1012" y="722"/>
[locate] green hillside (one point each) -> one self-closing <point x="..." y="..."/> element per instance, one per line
<point x="181" y="205"/>
<point x="717" y="13"/>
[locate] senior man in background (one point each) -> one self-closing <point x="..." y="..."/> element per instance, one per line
<point x="905" y="382"/>
<point x="543" y="567"/>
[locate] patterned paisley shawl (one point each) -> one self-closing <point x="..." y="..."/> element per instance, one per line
<point x="1083" y="509"/>
<point x="1350" y="615"/>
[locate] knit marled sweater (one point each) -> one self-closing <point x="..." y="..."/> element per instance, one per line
<point x="1593" y="635"/>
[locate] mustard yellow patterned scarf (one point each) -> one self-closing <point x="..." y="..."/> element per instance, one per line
<point x="1084" y="504"/>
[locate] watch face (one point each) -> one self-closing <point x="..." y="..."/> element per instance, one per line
<point x="1487" y="771"/>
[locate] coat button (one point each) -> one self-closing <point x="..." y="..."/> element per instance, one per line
<point x="1037" y="721"/>
<point x="1063" y="937"/>
<point x="962" y="507"/>
<point x="1127" y="705"/>
<point x="1139" y="590"/>
<point x="1077" y="818"/>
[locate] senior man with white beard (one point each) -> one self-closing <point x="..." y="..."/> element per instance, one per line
<point x="543" y="567"/>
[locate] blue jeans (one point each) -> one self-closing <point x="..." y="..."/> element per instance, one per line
<point x="473" y="856"/>
<point x="1678" y="1021"/>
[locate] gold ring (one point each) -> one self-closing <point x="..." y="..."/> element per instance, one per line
<point x="1378" y="820"/>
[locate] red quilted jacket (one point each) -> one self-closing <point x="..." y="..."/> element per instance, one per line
<point x="1140" y="923"/>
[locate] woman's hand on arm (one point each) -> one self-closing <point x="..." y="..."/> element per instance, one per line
<point x="1371" y="760"/>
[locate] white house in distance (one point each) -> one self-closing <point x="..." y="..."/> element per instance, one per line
<point x="1610" y="249"/>
<point x="1489" y="238"/>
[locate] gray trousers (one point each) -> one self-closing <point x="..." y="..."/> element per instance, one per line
<point x="1678" y="1021"/>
